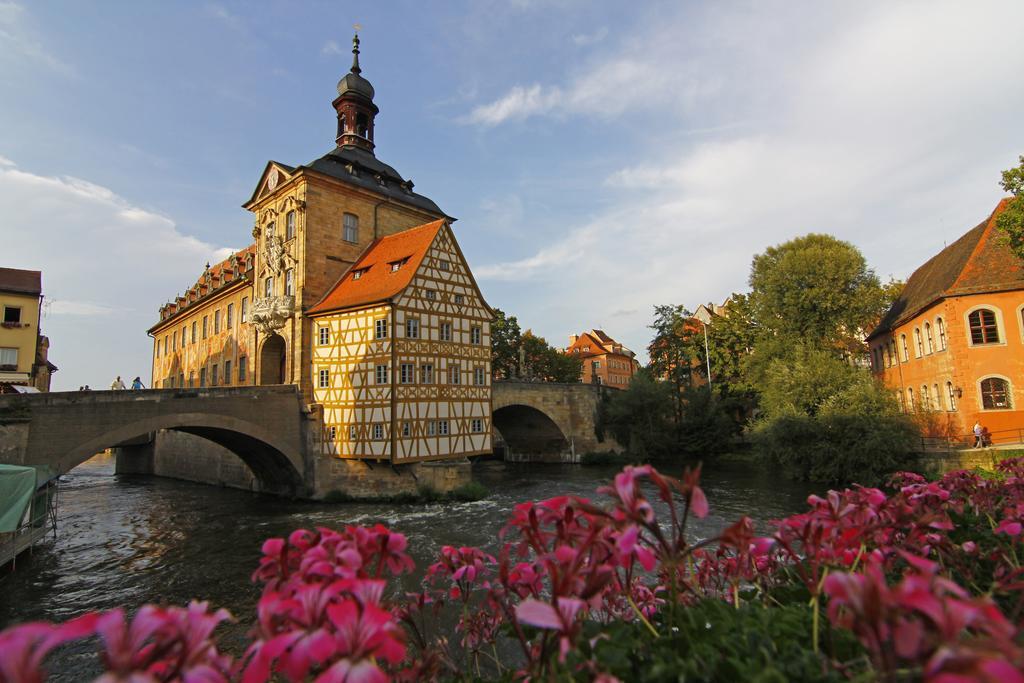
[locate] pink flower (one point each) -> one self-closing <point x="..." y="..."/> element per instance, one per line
<point x="24" y="647"/>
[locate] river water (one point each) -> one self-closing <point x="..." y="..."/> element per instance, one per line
<point x="131" y="540"/>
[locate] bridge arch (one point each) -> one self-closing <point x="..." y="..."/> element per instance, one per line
<point x="530" y="433"/>
<point x="273" y="462"/>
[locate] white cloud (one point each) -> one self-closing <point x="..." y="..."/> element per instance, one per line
<point x="221" y="13"/>
<point x="18" y="42"/>
<point x="584" y="39"/>
<point x="519" y="103"/>
<point x="107" y="267"/>
<point x="331" y="47"/>
<point x="889" y="129"/>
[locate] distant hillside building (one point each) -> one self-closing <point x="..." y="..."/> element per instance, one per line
<point x="954" y="339"/>
<point x="23" y="348"/>
<point x="605" y="361"/>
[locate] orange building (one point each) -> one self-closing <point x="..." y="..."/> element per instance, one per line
<point x="953" y="342"/>
<point x="605" y="361"/>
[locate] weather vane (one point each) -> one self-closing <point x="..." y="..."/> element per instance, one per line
<point x="357" y="27"/>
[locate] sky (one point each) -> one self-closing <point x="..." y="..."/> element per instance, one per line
<point x="601" y="157"/>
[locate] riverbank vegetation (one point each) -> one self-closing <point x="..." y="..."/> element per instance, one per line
<point x="784" y="366"/>
<point x="919" y="581"/>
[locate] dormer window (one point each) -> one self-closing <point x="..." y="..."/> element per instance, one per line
<point x="395" y="266"/>
<point x="356" y="274"/>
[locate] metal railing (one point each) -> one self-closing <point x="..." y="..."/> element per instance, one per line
<point x="1000" y="437"/>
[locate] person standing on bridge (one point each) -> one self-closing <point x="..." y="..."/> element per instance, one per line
<point x="117" y="384"/>
<point x="137" y="384"/>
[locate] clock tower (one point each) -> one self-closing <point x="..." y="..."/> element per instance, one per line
<point x="355" y="106"/>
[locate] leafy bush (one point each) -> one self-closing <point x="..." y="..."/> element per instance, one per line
<point x="837" y="448"/>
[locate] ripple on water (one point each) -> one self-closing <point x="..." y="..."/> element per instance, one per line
<point x="127" y="541"/>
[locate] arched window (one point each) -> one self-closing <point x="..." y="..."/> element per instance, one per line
<point x="928" y="341"/>
<point x="926" y="399"/>
<point x="951" y="395"/>
<point x="889" y="354"/>
<point x="938" y="397"/>
<point x="910" y="399"/>
<point x="995" y="394"/>
<point x="903" y="404"/>
<point x="362" y="125"/>
<point x="906" y="353"/>
<point x="918" y="346"/>
<point x="342" y="125"/>
<point x="983" y="326"/>
<point x="942" y="334"/>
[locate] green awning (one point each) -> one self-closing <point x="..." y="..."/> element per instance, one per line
<point x="17" y="486"/>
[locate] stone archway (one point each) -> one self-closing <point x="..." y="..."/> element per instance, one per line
<point x="530" y="434"/>
<point x="272" y="360"/>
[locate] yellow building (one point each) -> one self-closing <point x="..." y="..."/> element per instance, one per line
<point x="402" y="358"/>
<point x="312" y="222"/>
<point x="23" y="349"/>
<point x="356" y="291"/>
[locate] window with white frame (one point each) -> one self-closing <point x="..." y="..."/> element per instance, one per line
<point x="406" y="429"/>
<point x="477" y="425"/>
<point x="430" y="294"/>
<point x="942" y="334"/>
<point x="938" y="397"/>
<point x="268" y="287"/>
<point x="289" y="282"/>
<point x="444" y="265"/>
<point x="381" y="328"/>
<point x="910" y="399"/>
<point x="352" y="432"/>
<point x="479" y="377"/>
<point x="350" y="231"/>
<point x="926" y="399"/>
<point x="382" y="374"/>
<point x="474" y="335"/>
<point x="12" y="315"/>
<point x="432" y="428"/>
<point x="378" y="431"/>
<point x="9" y="357"/>
<point x="332" y="433"/>
<point x="442" y="427"/>
<point x="995" y="394"/>
<point x="412" y="328"/>
<point x="427" y="373"/>
<point x="918" y="345"/>
<point x="454" y="374"/>
<point x="325" y="336"/>
<point x="459" y="299"/>
<point x="446" y="332"/>
<point x="951" y="395"/>
<point x="289" y="226"/>
<point x="407" y="373"/>
<point x="325" y="378"/>
<point x="983" y="326"/>
<point x="929" y="343"/>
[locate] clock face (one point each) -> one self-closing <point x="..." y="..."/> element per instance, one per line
<point x="272" y="178"/>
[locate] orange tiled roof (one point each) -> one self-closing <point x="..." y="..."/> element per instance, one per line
<point x="377" y="281"/>
<point x="976" y="263"/>
<point x="225" y="272"/>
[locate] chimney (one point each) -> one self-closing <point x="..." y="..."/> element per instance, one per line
<point x="573" y="338"/>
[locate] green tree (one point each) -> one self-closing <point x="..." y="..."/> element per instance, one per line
<point x="1011" y="220"/>
<point x="546" y="363"/>
<point x="506" y="338"/>
<point x="672" y="352"/>
<point x="817" y="289"/>
<point x="731" y="337"/>
<point x="640" y="416"/>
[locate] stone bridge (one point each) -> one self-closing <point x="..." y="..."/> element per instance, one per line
<point x="547" y="422"/>
<point x="263" y="426"/>
<point x="207" y="434"/>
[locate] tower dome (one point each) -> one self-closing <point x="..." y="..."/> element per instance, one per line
<point x="355" y="107"/>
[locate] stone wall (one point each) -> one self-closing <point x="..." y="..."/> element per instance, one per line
<point x="184" y="456"/>
<point x="936" y="464"/>
<point x="365" y="479"/>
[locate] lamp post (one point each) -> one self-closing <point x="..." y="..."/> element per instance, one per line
<point x="707" y="353"/>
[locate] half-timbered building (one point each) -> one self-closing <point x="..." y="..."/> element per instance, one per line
<point x="402" y="353"/>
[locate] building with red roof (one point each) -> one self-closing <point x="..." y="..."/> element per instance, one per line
<point x="402" y="358"/>
<point x="23" y="348"/>
<point x="952" y="344"/>
<point x="605" y="361"/>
